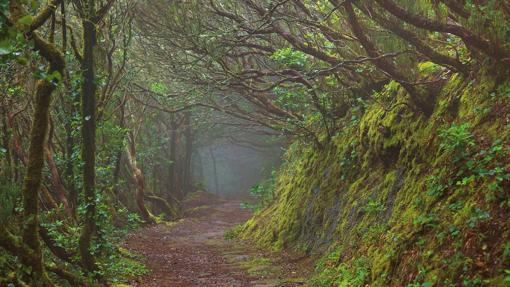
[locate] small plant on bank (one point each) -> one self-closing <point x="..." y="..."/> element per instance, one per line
<point x="263" y="192"/>
<point x="457" y="139"/>
<point x="374" y="206"/>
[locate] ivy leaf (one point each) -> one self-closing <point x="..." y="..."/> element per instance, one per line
<point x="26" y="20"/>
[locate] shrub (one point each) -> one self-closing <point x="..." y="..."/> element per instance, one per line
<point x="457" y="139"/>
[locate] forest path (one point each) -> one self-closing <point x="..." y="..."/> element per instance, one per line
<point x="194" y="252"/>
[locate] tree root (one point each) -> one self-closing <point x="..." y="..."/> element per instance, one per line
<point x="172" y="210"/>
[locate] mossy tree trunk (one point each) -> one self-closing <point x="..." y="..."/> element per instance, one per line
<point x="172" y="207"/>
<point x="33" y="179"/>
<point x="139" y="180"/>
<point x="57" y="181"/>
<point x="420" y="100"/>
<point x="38" y="135"/>
<point x="88" y="104"/>
<point x="7" y="174"/>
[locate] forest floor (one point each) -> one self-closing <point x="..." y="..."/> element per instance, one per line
<point x="194" y="252"/>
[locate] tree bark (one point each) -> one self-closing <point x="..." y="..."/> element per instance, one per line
<point x="415" y="40"/>
<point x="58" y="186"/>
<point x="38" y="136"/>
<point x="5" y="144"/>
<point x="171" y="209"/>
<point x="88" y="99"/>
<point x="139" y="181"/>
<point x="419" y="100"/>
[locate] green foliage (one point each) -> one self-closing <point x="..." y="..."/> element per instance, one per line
<point x="9" y="193"/>
<point x="478" y="215"/>
<point x="121" y="266"/>
<point x="373" y="206"/>
<point x="263" y="192"/>
<point x="457" y="139"/>
<point x="392" y="87"/>
<point x="349" y="159"/>
<point x="54" y="77"/>
<point x="504" y="90"/>
<point x="330" y="273"/>
<point x="434" y="186"/>
<point x="403" y="199"/>
<point x="374" y="233"/>
<point x="325" y="268"/>
<point x="472" y="282"/>
<point x="429" y="68"/>
<point x="488" y="19"/>
<point x="26" y="20"/>
<point x="506" y="250"/>
<point x="14" y="46"/>
<point x="291" y="98"/>
<point x="427" y="220"/>
<point x="288" y="57"/>
<point x="484" y="167"/>
<point x="233" y="232"/>
<point x="507" y="276"/>
<point x="159" y="88"/>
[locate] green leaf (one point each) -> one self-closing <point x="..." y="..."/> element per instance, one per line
<point x="4" y="51"/>
<point x="5" y="48"/>
<point x="56" y="76"/>
<point x="26" y="20"/>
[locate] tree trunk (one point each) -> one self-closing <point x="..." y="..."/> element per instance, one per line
<point x="414" y="39"/>
<point x="38" y="135"/>
<point x="172" y="208"/>
<point x="175" y="187"/>
<point x="88" y="138"/>
<point x="139" y="181"/>
<point x="33" y="179"/>
<point x="58" y="186"/>
<point x="215" y="171"/>
<point x="420" y="101"/>
<point x="188" y="135"/>
<point x="5" y="144"/>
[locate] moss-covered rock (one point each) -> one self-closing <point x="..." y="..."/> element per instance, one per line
<point x="388" y="203"/>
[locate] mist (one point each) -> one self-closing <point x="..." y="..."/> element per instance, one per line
<point x="230" y="169"/>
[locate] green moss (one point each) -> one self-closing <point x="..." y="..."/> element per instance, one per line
<point x="233" y="232"/>
<point x="384" y="193"/>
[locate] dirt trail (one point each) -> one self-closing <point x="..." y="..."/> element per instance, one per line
<point x="193" y="252"/>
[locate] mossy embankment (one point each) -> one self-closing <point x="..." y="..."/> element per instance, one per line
<point x="398" y="198"/>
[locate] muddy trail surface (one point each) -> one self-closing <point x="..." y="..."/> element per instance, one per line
<point x="194" y="252"/>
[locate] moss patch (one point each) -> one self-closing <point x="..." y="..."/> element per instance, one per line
<point x="385" y="204"/>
